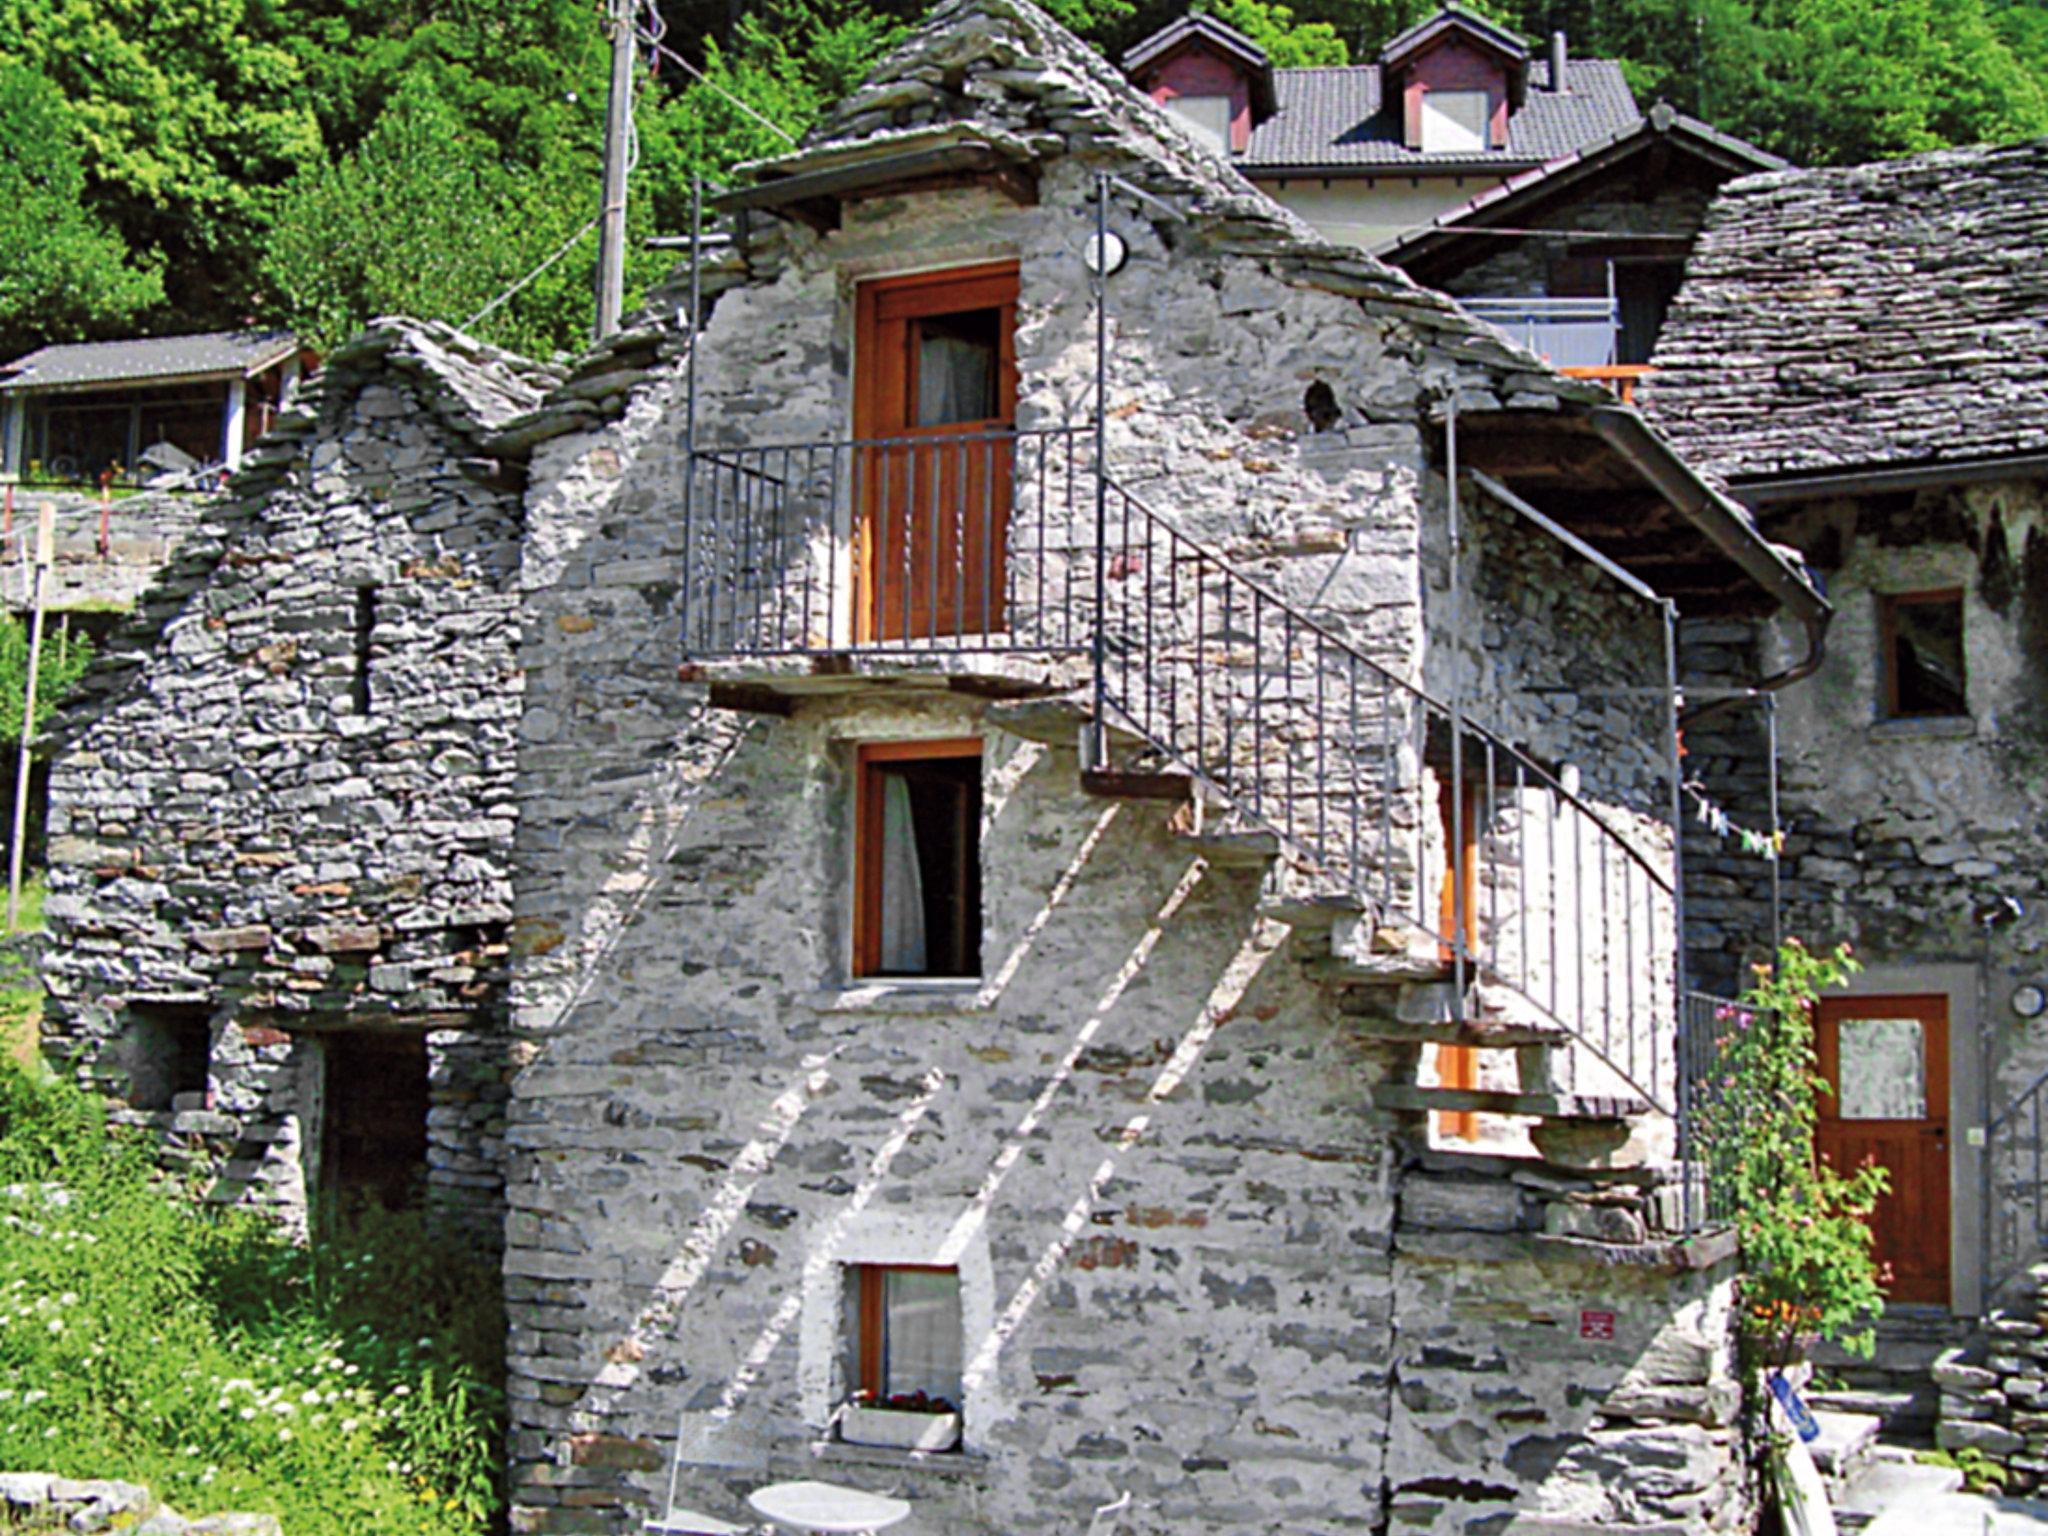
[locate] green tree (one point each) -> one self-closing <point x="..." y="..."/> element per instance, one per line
<point x="57" y="672"/>
<point x="1289" y="43"/>
<point x="63" y="273"/>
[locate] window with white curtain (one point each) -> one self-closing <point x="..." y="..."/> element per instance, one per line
<point x="1454" y="122"/>
<point x="1208" y="116"/>
<point x="908" y="1338"/>
<point x="917" y="859"/>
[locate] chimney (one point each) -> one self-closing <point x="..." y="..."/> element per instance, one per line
<point x="1557" y="60"/>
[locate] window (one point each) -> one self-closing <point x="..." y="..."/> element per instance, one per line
<point x="907" y="1337"/>
<point x="1643" y="291"/>
<point x="917" y="859"/>
<point x="1922" y="638"/>
<point x="1208" y="116"/>
<point x="1454" y="121"/>
<point x="365" y="627"/>
<point x="169" y="1050"/>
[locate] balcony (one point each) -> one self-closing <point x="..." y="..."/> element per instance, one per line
<point x="1567" y="333"/>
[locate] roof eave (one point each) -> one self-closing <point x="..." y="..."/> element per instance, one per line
<point x="1874" y="480"/>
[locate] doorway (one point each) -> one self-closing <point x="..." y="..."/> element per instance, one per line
<point x="1885" y="1061"/>
<point x="935" y="399"/>
<point x="373" y="1132"/>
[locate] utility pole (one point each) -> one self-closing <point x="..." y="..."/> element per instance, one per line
<point x="46" y="552"/>
<point x="618" y="132"/>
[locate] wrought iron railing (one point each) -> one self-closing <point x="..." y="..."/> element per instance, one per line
<point x="1707" y="1088"/>
<point x="1514" y="882"/>
<point x="932" y="540"/>
<point x="2013" y="1188"/>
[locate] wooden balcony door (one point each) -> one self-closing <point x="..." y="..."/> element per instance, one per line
<point x="1886" y="1060"/>
<point x="1457" y="1066"/>
<point x="935" y="376"/>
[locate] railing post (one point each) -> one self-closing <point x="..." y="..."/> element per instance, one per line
<point x="1454" y="855"/>
<point x="1680" y="1066"/>
<point x="1098" y="755"/>
<point x="690" y="398"/>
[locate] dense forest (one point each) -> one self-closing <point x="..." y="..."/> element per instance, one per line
<point x="187" y="164"/>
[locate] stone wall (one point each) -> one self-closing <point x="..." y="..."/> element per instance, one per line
<point x="1523" y="268"/>
<point x="1994" y="1396"/>
<point x="283" y="806"/>
<point x="142" y="531"/>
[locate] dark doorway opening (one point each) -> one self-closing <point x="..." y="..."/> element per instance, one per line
<point x="169" y="1048"/>
<point x="373" y="1138"/>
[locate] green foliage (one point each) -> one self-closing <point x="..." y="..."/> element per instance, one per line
<point x="1981" y="1473"/>
<point x="1807" y="1268"/>
<point x="1288" y="43"/>
<point x="61" y="267"/>
<point x="58" y="670"/>
<point x="344" y="1386"/>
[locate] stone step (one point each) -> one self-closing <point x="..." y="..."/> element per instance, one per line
<point x="1429" y="1012"/>
<point x="1408" y="1098"/>
<point x="1845" y="1440"/>
<point x="1312" y="915"/>
<point x="1234" y="850"/>
<point x="1885" y="1482"/>
<point x="1137" y="784"/>
<point x="1907" y="1413"/>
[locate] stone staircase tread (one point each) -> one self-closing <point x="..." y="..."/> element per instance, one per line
<point x="1377" y="971"/>
<point x="1879" y="1485"/>
<point x="1481" y="1034"/>
<point x="1314" y="912"/>
<point x="1239" y="850"/>
<point x="1137" y="784"/>
<point x="1844" y="1437"/>
<point x="1546" y="1106"/>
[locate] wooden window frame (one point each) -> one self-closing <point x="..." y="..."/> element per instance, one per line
<point x="1888" y="605"/>
<point x="867" y="837"/>
<point x="872" y="1344"/>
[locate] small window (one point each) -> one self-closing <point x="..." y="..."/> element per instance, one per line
<point x="1454" y="121"/>
<point x="169" y="1055"/>
<point x="1208" y="116"/>
<point x="365" y="627"/>
<point x="907" y="1338"/>
<point x="917" y="859"/>
<point x="1922" y="636"/>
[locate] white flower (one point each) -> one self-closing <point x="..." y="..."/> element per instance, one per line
<point x="348" y="1426"/>
<point x="248" y="1413"/>
<point x="310" y="1395"/>
<point x="284" y="1434"/>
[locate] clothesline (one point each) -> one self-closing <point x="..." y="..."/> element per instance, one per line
<point x="1764" y="845"/>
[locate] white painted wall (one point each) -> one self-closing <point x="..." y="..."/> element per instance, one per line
<point x="1370" y="210"/>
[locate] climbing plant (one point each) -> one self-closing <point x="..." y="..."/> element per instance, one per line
<point x="1808" y="1270"/>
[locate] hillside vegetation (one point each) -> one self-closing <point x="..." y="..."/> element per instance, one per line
<point x="187" y="164"/>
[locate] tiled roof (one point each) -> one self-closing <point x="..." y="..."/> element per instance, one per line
<point x="1878" y="316"/>
<point x="1334" y="117"/>
<point x="149" y="357"/>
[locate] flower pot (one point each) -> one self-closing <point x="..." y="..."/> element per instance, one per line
<point x="899" y="1429"/>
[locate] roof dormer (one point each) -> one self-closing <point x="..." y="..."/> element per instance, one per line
<point x="1457" y="76"/>
<point x="1210" y="75"/>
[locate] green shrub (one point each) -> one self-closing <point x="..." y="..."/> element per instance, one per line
<point x="345" y="1386"/>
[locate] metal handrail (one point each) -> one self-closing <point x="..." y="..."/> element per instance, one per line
<point x="1304" y="735"/>
<point x="2016" y="1130"/>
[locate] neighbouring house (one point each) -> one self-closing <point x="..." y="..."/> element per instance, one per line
<point x="1094" y="880"/>
<point x="1861" y="355"/>
<point x="281" y="809"/>
<point x="1578" y="259"/>
<point x="1451" y="108"/>
<point x="77" y="410"/>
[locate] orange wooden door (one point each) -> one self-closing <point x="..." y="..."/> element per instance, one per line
<point x="936" y="379"/>
<point x="1457" y="1066"/>
<point x="1886" y="1060"/>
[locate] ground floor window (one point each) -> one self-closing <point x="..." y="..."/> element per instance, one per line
<point x="917" y="859"/>
<point x="904" y="1324"/>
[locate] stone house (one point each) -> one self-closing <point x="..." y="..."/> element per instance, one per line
<point x="1858" y="354"/>
<point x="280" y="826"/>
<point x="1138" y="954"/>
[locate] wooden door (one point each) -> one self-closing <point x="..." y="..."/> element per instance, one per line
<point x="936" y="381"/>
<point x="1457" y="1066"/>
<point x="1886" y="1061"/>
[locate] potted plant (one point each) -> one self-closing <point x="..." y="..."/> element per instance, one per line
<point x="903" y="1421"/>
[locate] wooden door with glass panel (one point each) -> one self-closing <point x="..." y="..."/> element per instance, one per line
<point x="936" y="383"/>
<point x="1886" y="1061"/>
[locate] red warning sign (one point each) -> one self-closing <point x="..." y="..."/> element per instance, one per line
<point x="1596" y="1325"/>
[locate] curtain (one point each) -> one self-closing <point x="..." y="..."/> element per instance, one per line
<point x="903" y="945"/>
<point x="955" y="380"/>
<point x="922" y="1326"/>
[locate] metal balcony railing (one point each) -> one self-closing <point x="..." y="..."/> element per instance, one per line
<point x="929" y="541"/>
<point x="1569" y="333"/>
<point x="2014" y="1180"/>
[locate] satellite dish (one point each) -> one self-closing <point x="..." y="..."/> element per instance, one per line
<point x="1105" y="255"/>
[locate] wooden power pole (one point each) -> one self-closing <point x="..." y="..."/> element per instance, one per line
<point x="618" y="132"/>
<point x="46" y="553"/>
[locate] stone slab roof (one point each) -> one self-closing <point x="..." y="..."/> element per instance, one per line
<point x="1878" y="316"/>
<point x="77" y="365"/>
<point x="1336" y="117"/>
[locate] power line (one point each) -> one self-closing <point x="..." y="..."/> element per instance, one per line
<point x="566" y="247"/>
<point x="667" y="52"/>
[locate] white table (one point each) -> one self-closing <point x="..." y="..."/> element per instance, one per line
<point x="826" y="1509"/>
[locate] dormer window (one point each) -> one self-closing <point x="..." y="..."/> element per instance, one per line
<point x="1455" y="122"/>
<point x="1208" y="116"/>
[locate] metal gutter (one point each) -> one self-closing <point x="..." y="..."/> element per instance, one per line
<point x="1868" y="482"/>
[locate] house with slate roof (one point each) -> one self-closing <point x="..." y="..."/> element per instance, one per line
<point x="1858" y="355"/>
<point x="1450" y="108"/>
<point x="1094" y="883"/>
<point x="74" y="411"/>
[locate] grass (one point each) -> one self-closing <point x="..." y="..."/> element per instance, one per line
<point x="21" y="993"/>
<point x="347" y="1385"/>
